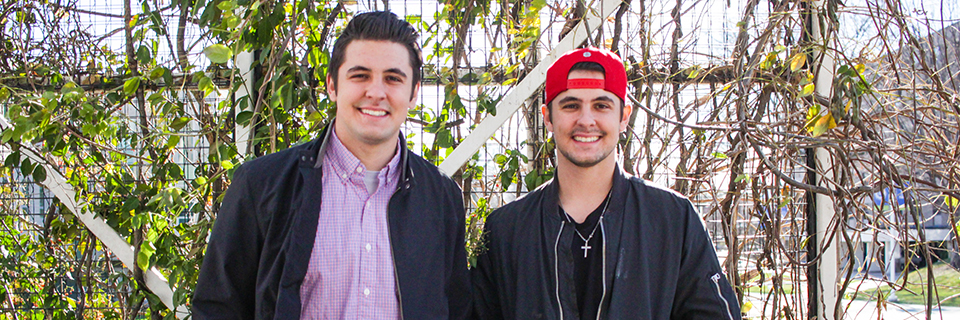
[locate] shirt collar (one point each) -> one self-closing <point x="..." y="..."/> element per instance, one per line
<point x="345" y="163"/>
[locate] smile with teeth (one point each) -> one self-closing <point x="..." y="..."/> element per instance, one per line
<point x="375" y="113"/>
<point x="586" y="139"/>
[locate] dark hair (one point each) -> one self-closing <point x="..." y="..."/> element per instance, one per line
<point x="377" y="25"/>
<point x="586" y="66"/>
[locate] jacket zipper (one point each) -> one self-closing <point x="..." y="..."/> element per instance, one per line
<point x="393" y="257"/>
<point x="726" y="304"/>
<point x="556" y="268"/>
<point x="603" y="249"/>
<point x="556" y="271"/>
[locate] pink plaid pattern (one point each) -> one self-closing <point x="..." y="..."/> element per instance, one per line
<point x="350" y="275"/>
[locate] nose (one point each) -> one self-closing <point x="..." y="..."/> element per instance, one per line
<point x="376" y="90"/>
<point x="586" y="118"/>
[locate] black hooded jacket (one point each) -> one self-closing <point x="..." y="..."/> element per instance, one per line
<point x="658" y="260"/>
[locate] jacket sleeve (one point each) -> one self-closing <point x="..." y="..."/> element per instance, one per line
<point x="486" y="301"/>
<point x="702" y="289"/>
<point x="226" y="283"/>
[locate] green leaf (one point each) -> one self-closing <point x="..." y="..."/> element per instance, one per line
<point x="143" y="54"/>
<point x="218" y="53"/>
<point x="226" y="5"/>
<point x="26" y="167"/>
<point x="146" y="252"/>
<point x="500" y="159"/>
<point x="131" y="85"/>
<point x="179" y="123"/>
<point x="12" y="160"/>
<point x="39" y="174"/>
<point x="719" y="155"/>
<point x="4" y="94"/>
<point x="507" y="178"/>
<point x="157" y="72"/>
<point x="444" y="139"/>
<point x="742" y="177"/>
<point x="243" y="118"/>
<point x="206" y="84"/>
<point x="173" y="141"/>
<point x="231" y="22"/>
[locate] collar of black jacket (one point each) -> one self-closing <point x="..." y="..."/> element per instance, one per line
<point x="621" y="184"/>
<point x="313" y="154"/>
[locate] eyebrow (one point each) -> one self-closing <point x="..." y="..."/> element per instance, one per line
<point x="396" y="71"/>
<point x="603" y="98"/>
<point x="358" y="69"/>
<point x="568" y="99"/>
<point x="575" y="99"/>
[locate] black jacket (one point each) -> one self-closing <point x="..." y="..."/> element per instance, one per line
<point x="261" y="242"/>
<point x="659" y="262"/>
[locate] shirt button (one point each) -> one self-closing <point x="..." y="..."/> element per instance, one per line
<point x="346" y="176"/>
<point x="366" y="292"/>
<point x="359" y="170"/>
<point x="369" y="247"/>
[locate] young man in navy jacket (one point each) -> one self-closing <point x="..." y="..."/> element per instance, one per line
<point x="352" y="224"/>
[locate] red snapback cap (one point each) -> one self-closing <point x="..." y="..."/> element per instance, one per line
<point x="615" y="76"/>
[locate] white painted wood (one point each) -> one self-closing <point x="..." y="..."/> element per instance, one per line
<point x="244" y="62"/>
<point x="827" y="218"/>
<point x="110" y="238"/>
<point x="519" y="94"/>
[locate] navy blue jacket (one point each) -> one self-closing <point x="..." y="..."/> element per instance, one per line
<point x="658" y="261"/>
<point x="260" y="246"/>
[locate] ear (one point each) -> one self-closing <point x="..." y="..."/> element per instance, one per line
<point x="331" y="91"/>
<point x="627" y="110"/>
<point x="545" y="111"/>
<point x="414" y="94"/>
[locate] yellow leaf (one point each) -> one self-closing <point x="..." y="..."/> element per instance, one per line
<point x="807" y="90"/>
<point x="798" y="61"/>
<point x="823" y="124"/>
<point x="861" y="68"/>
<point x="133" y="20"/>
<point x="694" y="72"/>
<point x="747" y="305"/>
<point x="951" y="201"/>
<point x="812" y="113"/>
<point x="768" y="62"/>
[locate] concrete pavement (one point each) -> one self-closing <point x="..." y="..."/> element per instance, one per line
<point x="867" y="310"/>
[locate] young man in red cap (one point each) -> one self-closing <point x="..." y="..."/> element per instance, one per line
<point x="595" y="243"/>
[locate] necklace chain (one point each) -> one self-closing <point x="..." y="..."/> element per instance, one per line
<point x="586" y="240"/>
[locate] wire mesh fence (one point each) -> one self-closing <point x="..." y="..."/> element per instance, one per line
<point x="721" y="116"/>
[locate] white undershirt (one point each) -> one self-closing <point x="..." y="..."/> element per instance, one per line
<point x="371" y="180"/>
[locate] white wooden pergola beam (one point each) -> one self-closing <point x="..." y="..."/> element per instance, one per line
<point x="515" y="99"/>
<point x="110" y="238"/>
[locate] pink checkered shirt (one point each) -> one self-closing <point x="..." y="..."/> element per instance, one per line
<point x="350" y="275"/>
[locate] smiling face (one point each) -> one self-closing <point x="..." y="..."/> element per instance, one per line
<point x="585" y="122"/>
<point x="373" y="93"/>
